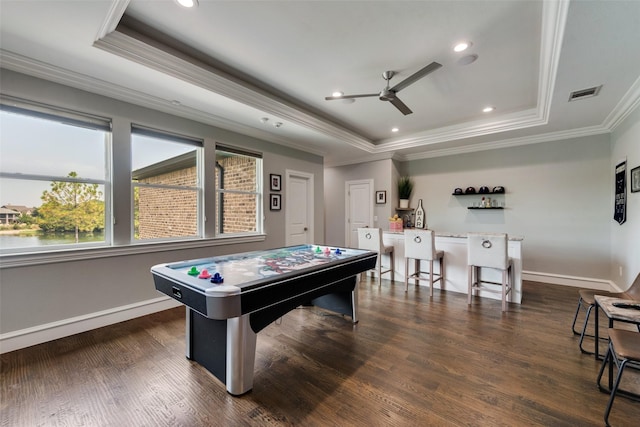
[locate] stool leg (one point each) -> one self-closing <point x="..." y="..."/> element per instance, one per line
<point x="504" y="289"/>
<point x="470" y="278"/>
<point x="406" y="274"/>
<point x="392" y="265"/>
<point x="431" y="277"/>
<point x="614" y="390"/>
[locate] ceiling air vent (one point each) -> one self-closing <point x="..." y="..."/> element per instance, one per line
<point x="584" y="93"/>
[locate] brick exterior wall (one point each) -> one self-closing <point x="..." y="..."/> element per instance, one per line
<point x="166" y="213"/>
<point x="239" y="209"/>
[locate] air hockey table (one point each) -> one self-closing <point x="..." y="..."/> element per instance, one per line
<point x="230" y="298"/>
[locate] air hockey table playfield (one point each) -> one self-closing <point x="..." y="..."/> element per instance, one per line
<point x="230" y="298"/>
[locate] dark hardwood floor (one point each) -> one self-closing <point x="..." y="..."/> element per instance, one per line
<point x="410" y="361"/>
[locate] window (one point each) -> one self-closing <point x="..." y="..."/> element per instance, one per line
<point x="238" y="191"/>
<point x="166" y="191"/>
<point x="54" y="177"/>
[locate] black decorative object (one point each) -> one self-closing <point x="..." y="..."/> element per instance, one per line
<point x="276" y="182"/>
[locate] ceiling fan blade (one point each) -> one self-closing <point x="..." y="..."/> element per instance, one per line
<point x="416" y="76"/>
<point x="400" y="106"/>
<point x="329" y="98"/>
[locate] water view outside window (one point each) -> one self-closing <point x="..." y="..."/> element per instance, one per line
<point x="166" y="194"/>
<point x="53" y="179"/>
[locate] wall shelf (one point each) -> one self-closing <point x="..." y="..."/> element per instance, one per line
<point x="486" y="209"/>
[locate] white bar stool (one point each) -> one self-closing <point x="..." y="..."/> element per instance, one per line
<point x="371" y="239"/>
<point x="489" y="250"/>
<point x="421" y="245"/>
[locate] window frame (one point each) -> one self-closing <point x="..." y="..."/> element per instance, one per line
<point x="258" y="193"/>
<point x="199" y="189"/>
<point x="67" y="117"/>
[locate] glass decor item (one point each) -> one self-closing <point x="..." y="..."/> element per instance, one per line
<point x="420" y="216"/>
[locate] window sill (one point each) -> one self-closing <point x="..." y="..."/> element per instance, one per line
<point x="65" y="255"/>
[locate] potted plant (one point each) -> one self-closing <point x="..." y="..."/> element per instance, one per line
<point x="405" y="188"/>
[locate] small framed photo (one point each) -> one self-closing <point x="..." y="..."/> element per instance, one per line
<point x="276" y="202"/>
<point x="635" y="179"/>
<point x="276" y="182"/>
<point x="381" y="197"/>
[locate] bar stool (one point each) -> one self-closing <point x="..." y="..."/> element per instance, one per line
<point x="587" y="301"/>
<point x="371" y="240"/>
<point x="489" y="250"/>
<point x="624" y="348"/>
<point x="421" y="245"/>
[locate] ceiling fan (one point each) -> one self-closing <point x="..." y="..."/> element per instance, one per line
<point x="389" y="94"/>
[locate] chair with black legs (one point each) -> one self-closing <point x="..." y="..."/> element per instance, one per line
<point x="587" y="302"/>
<point x="624" y="350"/>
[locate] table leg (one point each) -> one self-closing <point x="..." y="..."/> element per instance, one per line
<point x="241" y="355"/>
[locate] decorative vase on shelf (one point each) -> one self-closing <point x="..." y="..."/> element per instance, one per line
<point x="404" y="203"/>
<point x="420" y="215"/>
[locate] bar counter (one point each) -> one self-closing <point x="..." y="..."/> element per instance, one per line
<point x="454" y="246"/>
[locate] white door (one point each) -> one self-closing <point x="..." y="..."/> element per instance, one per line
<point x="359" y="205"/>
<point x="299" y="208"/>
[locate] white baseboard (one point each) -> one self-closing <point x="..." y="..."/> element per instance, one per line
<point x="577" y="282"/>
<point x="63" y="328"/>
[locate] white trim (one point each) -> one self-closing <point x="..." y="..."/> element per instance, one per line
<point x="34" y="258"/>
<point x="16" y="340"/>
<point x="574" y="281"/>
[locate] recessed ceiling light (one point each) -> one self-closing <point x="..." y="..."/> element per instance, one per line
<point x="264" y="119"/>
<point x="188" y="3"/>
<point x="488" y="109"/>
<point x="394" y="129"/>
<point x="462" y="46"/>
<point x="337" y="94"/>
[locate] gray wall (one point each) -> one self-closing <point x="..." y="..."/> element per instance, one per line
<point x="334" y="199"/>
<point x="625" y="238"/>
<point x="41" y="294"/>
<point x="558" y="197"/>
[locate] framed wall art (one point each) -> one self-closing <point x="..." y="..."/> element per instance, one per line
<point x="635" y="179"/>
<point x="276" y="182"/>
<point x="275" y="202"/>
<point x="381" y="197"/>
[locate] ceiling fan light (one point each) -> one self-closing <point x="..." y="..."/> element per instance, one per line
<point x="462" y="46"/>
<point x="337" y="94"/>
<point x="394" y="129"/>
<point x="488" y="109"/>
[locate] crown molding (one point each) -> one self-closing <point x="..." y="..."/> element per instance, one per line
<point x="627" y="104"/>
<point x="34" y="68"/>
<point x="194" y="71"/>
<point x="516" y="121"/>
<point x="114" y="15"/>
<point x="511" y="142"/>
<point x="364" y="159"/>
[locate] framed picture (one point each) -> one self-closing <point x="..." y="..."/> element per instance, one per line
<point x="381" y="197"/>
<point x="635" y="179"/>
<point x="276" y="202"/>
<point x="276" y="181"/>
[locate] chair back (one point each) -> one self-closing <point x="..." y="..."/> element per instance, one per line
<point x="419" y="244"/>
<point x="488" y="250"/>
<point x="634" y="289"/>
<point x="370" y="239"/>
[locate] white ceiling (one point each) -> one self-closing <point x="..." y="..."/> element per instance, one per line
<point x="231" y="63"/>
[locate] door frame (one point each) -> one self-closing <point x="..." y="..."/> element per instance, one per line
<point x="347" y="213"/>
<point x="288" y="173"/>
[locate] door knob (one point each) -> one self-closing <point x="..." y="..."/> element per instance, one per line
<point x="305" y="229"/>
